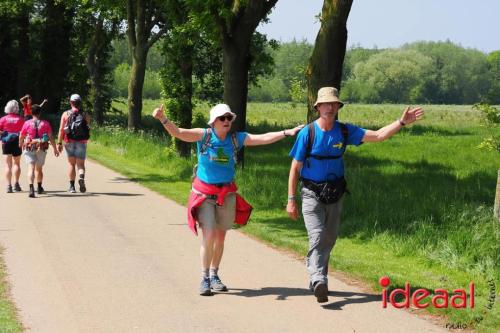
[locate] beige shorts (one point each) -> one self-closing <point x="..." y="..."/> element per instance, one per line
<point x="211" y="216"/>
<point x="36" y="157"/>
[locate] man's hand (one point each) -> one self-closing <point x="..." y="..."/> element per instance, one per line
<point x="59" y="147"/>
<point x="411" y="115"/>
<point x="291" y="209"/>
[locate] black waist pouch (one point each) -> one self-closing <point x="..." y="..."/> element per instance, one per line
<point x="327" y="192"/>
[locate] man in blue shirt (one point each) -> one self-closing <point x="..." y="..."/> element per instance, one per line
<point x="318" y="162"/>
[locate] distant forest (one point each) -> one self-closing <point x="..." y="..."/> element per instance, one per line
<point x="421" y="72"/>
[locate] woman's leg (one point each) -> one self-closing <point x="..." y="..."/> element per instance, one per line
<point x="8" y="169"/>
<point x="17" y="167"/>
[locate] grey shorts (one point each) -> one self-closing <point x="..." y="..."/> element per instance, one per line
<point x="36" y="157"/>
<point x="211" y="216"/>
<point x="76" y="149"/>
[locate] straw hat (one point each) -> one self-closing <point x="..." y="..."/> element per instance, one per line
<point x="220" y="110"/>
<point x="328" y="95"/>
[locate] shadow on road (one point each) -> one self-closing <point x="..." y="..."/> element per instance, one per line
<point x="282" y="293"/>
<point x="88" y="194"/>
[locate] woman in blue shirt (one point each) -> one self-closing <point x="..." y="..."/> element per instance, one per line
<point x="214" y="184"/>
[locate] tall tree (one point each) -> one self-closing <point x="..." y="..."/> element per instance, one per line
<point x="235" y="24"/>
<point x="98" y="23"/>
<point x="177" y="72"/>
<point x="55" y="52"/>
<point x="144" y="17"/>
<point x="325" y="64"/>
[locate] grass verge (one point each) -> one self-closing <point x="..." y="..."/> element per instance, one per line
<point x="9" y="322"/>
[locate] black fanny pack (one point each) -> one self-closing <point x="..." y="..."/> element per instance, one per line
<point x="327" y="192"/>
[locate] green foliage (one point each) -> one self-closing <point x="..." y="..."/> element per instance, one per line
<point x="392" y="76"/>
<point x="494" y="67"/>
<point x="298" y="92"/>
<point x="491" y="116"/>
<point x="121" y="76"/>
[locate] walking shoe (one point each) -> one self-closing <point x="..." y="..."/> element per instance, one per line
<point x="321" y="292"/>
<point x="32" y="193"/>
<point x="205" y="287"/>
<point x="81" y="182"/>
<point x="17" y="187"/>
<point x="40" y="190"/>
<point x="216" y="284"/>
<point x="9" y="189"/>
<point x="311" y="287"/>
<point x="71" y="189"/>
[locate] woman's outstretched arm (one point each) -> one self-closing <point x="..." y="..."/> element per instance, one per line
<point x="184" y="134"/>
<point x="270" y="137"/>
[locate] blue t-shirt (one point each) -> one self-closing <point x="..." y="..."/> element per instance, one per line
<point x="325" y="144"/>
<point x="216" y="164"/>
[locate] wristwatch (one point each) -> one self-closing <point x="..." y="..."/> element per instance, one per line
<point x="291" y="198"/>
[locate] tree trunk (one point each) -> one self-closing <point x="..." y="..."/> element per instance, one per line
<point x="496" y="210"/>
<point x="94" y="73"/>
<point x="135" y="86"/>
<point x="55" y="54"/>
<point x="235" y="65"/>
<point x="325" y="64"/>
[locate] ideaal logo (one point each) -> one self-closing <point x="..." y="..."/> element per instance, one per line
<point x="458" y="299"/>
<point x="440" y="299"/>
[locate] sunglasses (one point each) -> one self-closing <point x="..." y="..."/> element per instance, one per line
<point x="223" y="118"/>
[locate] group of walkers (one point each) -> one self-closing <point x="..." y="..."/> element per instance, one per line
<point x="214" y="204"/>
<point x="317" y="161"/>
<point x="28" y="134"/>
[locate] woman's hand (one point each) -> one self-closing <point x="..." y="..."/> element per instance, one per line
<point x="411" y="115"/>
<point x="159" y="114"/>
<point x="293" y="131"/>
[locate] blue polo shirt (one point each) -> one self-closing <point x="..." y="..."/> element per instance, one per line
<point x="216" y="164"/>
<point x="325" y="144"/>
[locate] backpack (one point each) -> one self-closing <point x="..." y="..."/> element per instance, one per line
<point x="206" y="142"/>
<point x="76" y="127"/>
<point x="310" y="142"/>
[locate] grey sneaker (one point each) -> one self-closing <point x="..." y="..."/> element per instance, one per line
<point x="321" y="292"/>
<point x="9" y="189"/>
<point x="71" y="189"/>
<point x="216" y="284"/>
<point x="32" y="193"/>
<point x="17" y="187"/>
<point x="205" y="287"/>
<point x="81" y="182"/>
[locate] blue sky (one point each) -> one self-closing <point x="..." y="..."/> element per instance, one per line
<point x="391" y="23"/>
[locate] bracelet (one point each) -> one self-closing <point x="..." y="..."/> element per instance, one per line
<point x="401" y="123"/>
<point x="164" y="122"/>
<point x="284" y="133"/>
<point x="291" y="198"/>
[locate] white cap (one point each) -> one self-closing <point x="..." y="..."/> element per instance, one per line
<point x="220" y="110"/>
<point x="75" y="97"/>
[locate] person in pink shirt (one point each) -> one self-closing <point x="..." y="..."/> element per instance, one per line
<point x="27" y="101"/>
<point x="35" y="137"/>
<point x="10" y="126"/>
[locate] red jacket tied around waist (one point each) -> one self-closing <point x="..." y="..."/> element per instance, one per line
<point x="243" y="208"/>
